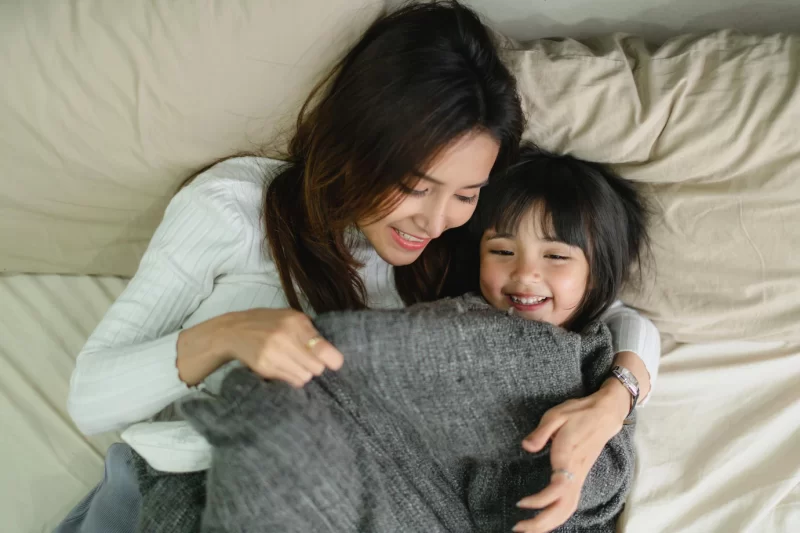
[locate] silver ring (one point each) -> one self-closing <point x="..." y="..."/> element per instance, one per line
<point x="313" y="341"/>
<point x="567" y="474"/>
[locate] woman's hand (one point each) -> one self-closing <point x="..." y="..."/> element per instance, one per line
<point x="579" y="430"/>
<point x="275" y="343"/>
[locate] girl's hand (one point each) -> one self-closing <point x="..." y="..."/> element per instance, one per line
<point x="274" y="343"/>
<point x="579" y="430"/>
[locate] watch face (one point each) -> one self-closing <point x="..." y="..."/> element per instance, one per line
<point x="628" y="379"/>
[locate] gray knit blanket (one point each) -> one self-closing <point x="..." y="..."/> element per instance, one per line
<point x="421" y="429"/>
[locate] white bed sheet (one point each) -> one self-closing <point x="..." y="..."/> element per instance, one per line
<point x="47" y="466"/>
<point x="718" y="444"/>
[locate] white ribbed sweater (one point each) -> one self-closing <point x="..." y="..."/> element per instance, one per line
<point x="208" y="258"/>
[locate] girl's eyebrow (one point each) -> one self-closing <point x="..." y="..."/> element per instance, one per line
<point x="501" y="236"/>
<point x="559" y="241"/>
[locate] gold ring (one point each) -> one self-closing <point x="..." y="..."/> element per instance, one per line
<point x="569" y="475"/>
<point x="313" y="341"/>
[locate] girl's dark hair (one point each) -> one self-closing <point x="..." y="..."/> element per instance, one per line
<point x="580" y="203"/>
<point x="419" y="78"/>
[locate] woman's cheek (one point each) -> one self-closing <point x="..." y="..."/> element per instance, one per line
<point x="466" y="213"/>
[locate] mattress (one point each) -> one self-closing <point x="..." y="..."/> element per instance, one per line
<point x="718" y="444"/>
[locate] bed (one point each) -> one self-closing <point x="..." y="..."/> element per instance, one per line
<point x="707" y="123"/>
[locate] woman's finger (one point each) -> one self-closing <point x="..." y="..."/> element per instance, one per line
<point x="292" y="380"/>
<point x="323" y="350"/>
<point x="276" y="374"/>
<point x="276" y="364"/>
<point x="547" y="520"/>
<point x="295" y="369"/>
<point x="544" y="497"/>
<point x="563" y="453"/>
<point x="306" y="358"/>
<point x="548" y="425"/>
<point x="329" y="355"/>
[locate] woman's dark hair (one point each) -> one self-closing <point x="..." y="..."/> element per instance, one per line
<point x="580" y="203"/>
<point x="419" y="78"/>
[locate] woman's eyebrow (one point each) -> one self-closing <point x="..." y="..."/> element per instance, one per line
<point x="426" y="177"/>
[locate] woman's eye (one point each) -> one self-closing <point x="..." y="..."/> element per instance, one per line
<point x="501" y="252"/>
<point x="413" y="192"/>
<point x="467" y="199"/>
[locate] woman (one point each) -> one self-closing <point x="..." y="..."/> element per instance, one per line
<point x="390" y="151"/>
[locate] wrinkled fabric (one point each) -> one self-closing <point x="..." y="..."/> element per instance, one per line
<point x="420" y="430"/>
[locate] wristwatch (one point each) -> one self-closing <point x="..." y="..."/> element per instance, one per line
<point x="630" y="382"/>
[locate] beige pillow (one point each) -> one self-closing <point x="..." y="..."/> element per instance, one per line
<point x="713" y="124"/>
<point x="107" y="106"/>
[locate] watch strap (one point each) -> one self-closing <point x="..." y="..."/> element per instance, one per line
<point x="628" y="381"/>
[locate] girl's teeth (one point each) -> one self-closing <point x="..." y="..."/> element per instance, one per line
<point x="528" y="301"/>
<point x="408" y="237"/>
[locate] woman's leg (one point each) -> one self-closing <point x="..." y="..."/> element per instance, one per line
<point x="113" y="506"/>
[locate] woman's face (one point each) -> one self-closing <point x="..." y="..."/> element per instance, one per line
<point x="541" y="279"/>
<point x="445" y="197"/>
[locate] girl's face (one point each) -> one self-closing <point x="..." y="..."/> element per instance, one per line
<point x="540" y="279"/>
<point x="444" y="198"/>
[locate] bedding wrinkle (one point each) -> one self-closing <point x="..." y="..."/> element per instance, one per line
<point x="758" y="253"/>
<point x="23" y="304"/>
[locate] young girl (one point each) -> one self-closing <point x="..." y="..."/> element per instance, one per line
<point x="558" y="239"/>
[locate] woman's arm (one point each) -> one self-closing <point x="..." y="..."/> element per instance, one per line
<point x="138" y="360"/>
<point x="127" y="370"/>
<point x="637" y="345"/>
<point x="580" y="428"/>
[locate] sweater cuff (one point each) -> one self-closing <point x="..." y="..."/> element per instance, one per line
<point x="127" y="388"/>
<point x="633" y="333"/>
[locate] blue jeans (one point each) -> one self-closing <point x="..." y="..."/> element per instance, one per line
<point x="114" y="505"/>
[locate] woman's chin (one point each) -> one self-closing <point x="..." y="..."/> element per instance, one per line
<point x="397" y="257"/>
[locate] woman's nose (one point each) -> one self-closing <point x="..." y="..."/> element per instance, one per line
<point x="434" y="219"/>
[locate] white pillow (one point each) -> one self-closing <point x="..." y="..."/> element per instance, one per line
<point x="713" y="124"/>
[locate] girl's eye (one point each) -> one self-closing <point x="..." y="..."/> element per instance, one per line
<point x="412" y="192"/>
<point x="501" y="252"/>
<point x="557" y="257"/>
<point x="467" y="199"/>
